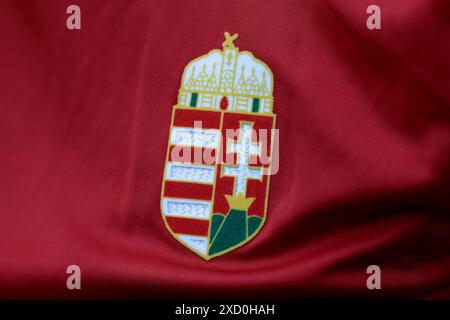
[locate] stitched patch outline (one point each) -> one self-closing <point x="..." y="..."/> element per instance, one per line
<point x="219" y="156"/>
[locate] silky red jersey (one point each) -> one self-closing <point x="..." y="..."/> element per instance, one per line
<point x="364" y="144"/>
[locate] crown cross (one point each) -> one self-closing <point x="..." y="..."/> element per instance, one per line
<point x="228" y="43"/>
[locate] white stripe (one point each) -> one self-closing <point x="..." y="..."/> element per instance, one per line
<point x="190" y="172"/>
<point x="195" y="242"/>
<point x="195" y="137"/>
<point x="186" y="208"/>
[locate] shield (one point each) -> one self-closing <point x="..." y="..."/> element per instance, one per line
<point x="219" y="156"/>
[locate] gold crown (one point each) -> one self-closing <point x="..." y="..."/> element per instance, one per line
<point x="246" y="82"/>
<point x="239" y="202"/>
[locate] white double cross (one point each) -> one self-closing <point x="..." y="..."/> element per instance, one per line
<point x="244" y="148"/>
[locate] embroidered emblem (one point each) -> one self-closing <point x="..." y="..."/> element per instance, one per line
<point x="218" y="165"/>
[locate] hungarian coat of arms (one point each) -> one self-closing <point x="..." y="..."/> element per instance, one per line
<point x="219" y="156"/>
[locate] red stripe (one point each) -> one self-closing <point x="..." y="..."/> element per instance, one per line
<point x="188" y="226"/>
<point x="192" y="155"/>
<point x="230" y="158"/>
<point x="186" y="118"/>
<point x="188" y="190"/>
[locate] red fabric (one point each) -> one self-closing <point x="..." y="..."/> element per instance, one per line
<point x="364" y="172"/>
